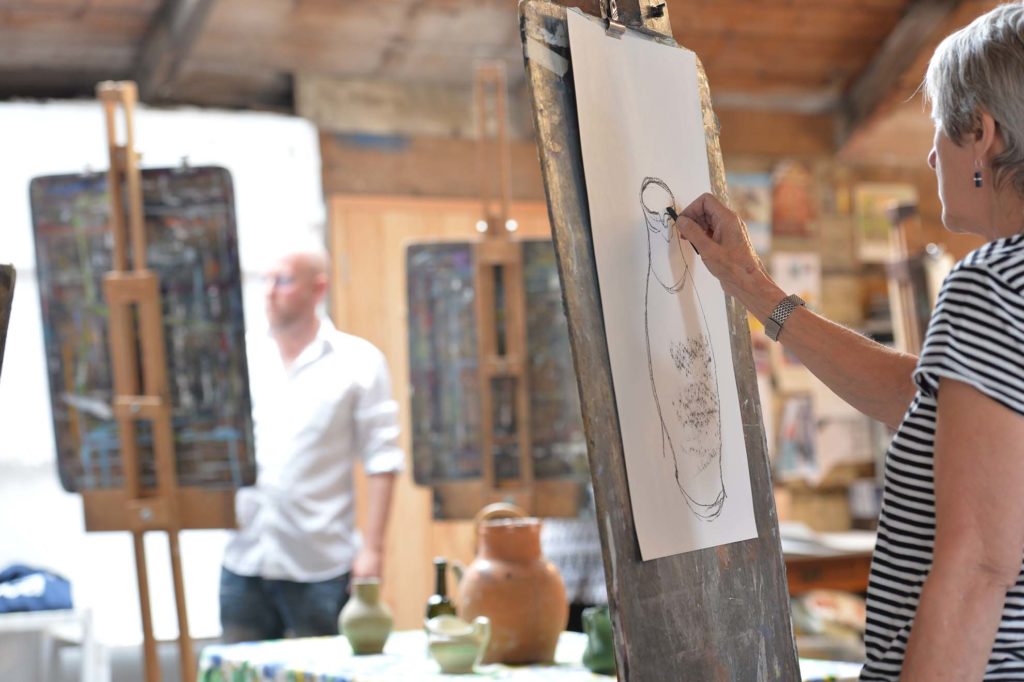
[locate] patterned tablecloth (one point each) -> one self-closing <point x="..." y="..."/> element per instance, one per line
<point x="405" y="659"/>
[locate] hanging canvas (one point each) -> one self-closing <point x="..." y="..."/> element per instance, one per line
<point x="444" y="377"/>
<point x="751" y="196"/>
<point x="644" y="153"/>
<point x="871" y="201"/>
<point x="794" y="207"/>
<point x="193" y="247"/>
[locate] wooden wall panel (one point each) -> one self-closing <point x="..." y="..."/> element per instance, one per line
<point x="368" y="240"/>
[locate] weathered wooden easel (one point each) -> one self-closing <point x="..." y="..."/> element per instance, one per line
<point x="716" y="614"/>
<point x="7" y="278"/>
<point x="138" y="360"/>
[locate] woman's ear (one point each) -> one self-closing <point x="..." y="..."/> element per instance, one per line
<point x="987" y="141"/>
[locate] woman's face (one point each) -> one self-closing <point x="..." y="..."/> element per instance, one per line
<point x="963" y="204"/>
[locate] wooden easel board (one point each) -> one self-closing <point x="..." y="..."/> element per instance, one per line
<point x="718" y="613"/>
<point x="7" y="276"/>
<point x="193" y="249"/>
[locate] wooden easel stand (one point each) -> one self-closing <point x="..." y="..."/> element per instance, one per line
<point x="133" y="297"/>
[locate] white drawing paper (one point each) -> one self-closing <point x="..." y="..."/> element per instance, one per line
<point x="642" y="136"/>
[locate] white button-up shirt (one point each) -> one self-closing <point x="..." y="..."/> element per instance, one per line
<point x="312" y="421"/>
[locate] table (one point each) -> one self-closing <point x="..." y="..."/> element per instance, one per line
<point x="55" y="629"/>
<point x="826" y="561"/>
<point x="405" y="658"/>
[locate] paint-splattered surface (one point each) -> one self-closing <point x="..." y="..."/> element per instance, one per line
<point x="193" y="248"/>
<point x="443" y="369"/>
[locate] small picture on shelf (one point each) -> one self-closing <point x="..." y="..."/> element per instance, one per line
<point x="870" y="202"/>
<point x="793" y="204"/>
<point x="797" y="456"/>
<point x="751" y="195"/>
<point x="797" y="273"/>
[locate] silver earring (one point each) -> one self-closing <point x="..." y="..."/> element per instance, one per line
<point x="977" y="174"/>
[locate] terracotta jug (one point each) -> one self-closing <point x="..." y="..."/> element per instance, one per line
<point x="510" y="583"/>
<point x="365" y="621"/>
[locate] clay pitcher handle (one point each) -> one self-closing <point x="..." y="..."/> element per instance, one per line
<point x="496" y="510"/>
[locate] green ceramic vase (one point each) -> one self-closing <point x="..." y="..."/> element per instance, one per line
<point x="599" y="656"/>
<point x="365" y="621"/>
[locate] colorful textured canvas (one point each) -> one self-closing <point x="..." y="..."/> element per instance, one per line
<point x="443" y="370"/>
<point x="192" y="245"/>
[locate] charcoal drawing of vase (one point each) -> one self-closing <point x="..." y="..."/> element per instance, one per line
<point x="686" y="395"/>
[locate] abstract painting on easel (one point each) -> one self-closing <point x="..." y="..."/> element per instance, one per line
<point x="666" y="323"/>
<point x="193" y="247"/>
<point x="443" y="367"/>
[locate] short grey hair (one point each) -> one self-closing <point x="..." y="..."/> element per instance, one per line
<point x="981" y="68"/>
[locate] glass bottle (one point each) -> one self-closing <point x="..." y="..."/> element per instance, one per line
<point x="439" y="604"/>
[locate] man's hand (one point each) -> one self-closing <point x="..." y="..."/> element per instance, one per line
<point x="368" y="564"/>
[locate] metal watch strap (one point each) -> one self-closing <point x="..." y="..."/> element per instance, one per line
<point x="773" y="326"/>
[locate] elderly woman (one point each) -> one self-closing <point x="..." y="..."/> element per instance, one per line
<point x="946" y="594"/>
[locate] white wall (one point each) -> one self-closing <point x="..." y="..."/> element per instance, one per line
<point x="275" y="164"/>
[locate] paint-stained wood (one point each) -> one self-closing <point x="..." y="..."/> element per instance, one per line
<point x="7" y="278"/>
<point x="714" y="614"/>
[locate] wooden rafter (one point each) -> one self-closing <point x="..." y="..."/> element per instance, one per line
<point x="898" y="53"/>
<point x="167" y="44"/>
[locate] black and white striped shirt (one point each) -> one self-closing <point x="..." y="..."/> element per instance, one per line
<point x="976" y="335"/>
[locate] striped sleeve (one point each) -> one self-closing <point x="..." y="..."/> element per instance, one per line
<point x="976" y="336"/>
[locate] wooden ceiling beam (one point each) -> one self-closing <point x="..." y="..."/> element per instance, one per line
<point x="901" y="48"/>
<point x="383" y="107"/>
<point x="167" y="44"/>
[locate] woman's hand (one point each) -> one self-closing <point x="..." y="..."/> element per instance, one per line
<point x="721" y="239"/>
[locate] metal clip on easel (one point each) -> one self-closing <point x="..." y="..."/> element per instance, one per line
<point x="610" y="13"/>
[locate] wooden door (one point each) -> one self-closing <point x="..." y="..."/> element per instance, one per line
<point x="368" y="238"/>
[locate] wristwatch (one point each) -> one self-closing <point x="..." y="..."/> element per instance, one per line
<point x="785" y="308"/>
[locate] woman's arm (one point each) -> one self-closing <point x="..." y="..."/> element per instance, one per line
<point x="869" y="376"/>
<point x="979" y="536"/>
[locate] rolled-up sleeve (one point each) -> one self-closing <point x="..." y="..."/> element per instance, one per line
<point x="376" y="418"/>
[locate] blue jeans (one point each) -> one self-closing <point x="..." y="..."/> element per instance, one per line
<point x="252" y="608"/>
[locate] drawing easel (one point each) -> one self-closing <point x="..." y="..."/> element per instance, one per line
<point x="501" y="322"/>
<point x="501" y="325"/>
<point x="7" y="278"/>
<point x="141" y="393"/>
<point x="715" y="614"/>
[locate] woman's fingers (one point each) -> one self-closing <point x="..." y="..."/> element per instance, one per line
<point x="696" y="234"/>
<point x="708" y="212"/>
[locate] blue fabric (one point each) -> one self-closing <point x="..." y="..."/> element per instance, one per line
<point x="24" y="588"/>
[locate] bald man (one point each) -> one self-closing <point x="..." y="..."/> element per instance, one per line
<point x="321" y="401"/>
